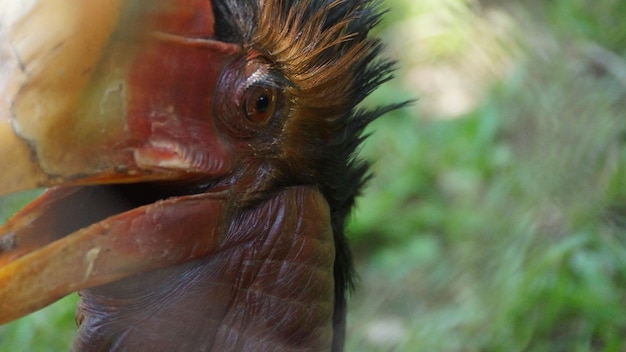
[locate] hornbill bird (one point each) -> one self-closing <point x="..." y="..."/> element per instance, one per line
<point x="200" y="159"/>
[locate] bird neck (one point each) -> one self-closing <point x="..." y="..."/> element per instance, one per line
<point x="268" y="287"/>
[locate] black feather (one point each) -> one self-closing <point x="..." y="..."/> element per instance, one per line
<point x="330" y="158"/>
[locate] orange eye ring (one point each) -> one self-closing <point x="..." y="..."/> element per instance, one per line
<point x="260" y="103"/>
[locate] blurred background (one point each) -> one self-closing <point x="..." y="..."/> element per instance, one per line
<point x="496" y="220"/>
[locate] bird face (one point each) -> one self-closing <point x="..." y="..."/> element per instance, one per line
<point x="199" y="156"/>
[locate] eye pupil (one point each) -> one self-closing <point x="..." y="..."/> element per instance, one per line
<point x="262" y="103"/>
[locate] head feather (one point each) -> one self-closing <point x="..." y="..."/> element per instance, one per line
<point x="323" y="50"/>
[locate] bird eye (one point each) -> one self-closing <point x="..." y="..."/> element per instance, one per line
<point x="250" y="97"/>
<point x="260" y="103"/>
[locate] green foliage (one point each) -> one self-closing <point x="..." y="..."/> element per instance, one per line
<point x="48" y="330"/>
<point x="503" y="229"/>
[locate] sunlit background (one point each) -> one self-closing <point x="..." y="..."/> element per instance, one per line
<point x="496" y="217"/>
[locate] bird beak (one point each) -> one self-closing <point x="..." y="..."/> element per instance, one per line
<point x="105" y="92"/>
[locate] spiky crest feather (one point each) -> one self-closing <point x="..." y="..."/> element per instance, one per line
<point x="330" y="64"/>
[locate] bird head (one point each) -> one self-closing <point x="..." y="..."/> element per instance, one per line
<point x="153" y="121"/>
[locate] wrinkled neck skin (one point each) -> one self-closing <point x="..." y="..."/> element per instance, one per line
<point x="269" y="287"/>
